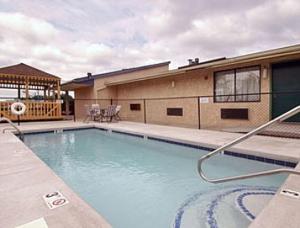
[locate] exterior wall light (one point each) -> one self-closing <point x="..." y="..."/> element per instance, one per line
<point x="265" y="72"/>
<point x="173" y="84"/>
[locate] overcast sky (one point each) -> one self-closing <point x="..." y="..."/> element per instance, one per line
<point x="69" y="38"/>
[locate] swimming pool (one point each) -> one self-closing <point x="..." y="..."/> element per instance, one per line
<point x="139" y="183"/>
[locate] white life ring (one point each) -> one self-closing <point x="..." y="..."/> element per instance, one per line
<point x="18" y="108"/>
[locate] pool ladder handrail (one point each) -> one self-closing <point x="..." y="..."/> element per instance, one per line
<point x="280" y="118"/>
<point x="21" y="135"/>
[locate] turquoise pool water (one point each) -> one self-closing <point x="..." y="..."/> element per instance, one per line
<point x="139" y="183"/>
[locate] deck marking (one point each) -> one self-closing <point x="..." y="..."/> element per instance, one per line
<point x="55" y="199"/>
<point x="39" y="223"/>
<point x="290" y="193"/>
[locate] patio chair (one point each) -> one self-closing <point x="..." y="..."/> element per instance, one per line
<point x="88" y="113"/>
<point x="109" y="113"/>
<point x="96" y="112"/>
<point x="118" y="109"/>
<point x="92" y="112"/>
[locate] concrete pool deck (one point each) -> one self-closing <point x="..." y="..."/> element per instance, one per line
<point x="24" y="178"/>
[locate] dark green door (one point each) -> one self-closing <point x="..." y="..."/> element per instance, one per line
<point x="286" y="88"/>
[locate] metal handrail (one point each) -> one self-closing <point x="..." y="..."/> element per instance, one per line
<point x="13" y="125"/>
<point x="280" y="118"/>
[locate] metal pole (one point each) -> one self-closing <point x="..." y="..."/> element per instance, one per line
<point x="74" y="110"/>
<point x="67" y="105"/>
<point x="145" y="120"/>
<point x="19" y="92"/>
<point x="19" y="97"/>
<point x="199" y="120"/>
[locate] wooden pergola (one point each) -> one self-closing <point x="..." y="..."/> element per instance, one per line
<point x="24" y="77"/>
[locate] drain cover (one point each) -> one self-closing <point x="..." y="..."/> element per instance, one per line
<point x="290" y="193"/>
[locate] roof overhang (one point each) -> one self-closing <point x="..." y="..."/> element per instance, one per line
<point x="70" y="86"/>
<point x="149" y="77"/>
<point x="270" y="54"/>
<point x="260" y="56"/>
<point x="23" y="70"/>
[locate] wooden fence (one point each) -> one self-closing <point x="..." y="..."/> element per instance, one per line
<point x="35" y="110"/>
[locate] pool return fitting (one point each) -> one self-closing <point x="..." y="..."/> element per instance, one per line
<point x="278" y="119"/>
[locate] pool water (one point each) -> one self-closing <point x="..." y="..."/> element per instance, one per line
<point x="139" y="183"/>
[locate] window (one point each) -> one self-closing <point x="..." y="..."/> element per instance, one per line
<point x="237" y="85"/>
<point x="174" y="112"/>
<point x="135" y="107"/>
<point x="234" y="113"/>
<point x="224" y="86"/>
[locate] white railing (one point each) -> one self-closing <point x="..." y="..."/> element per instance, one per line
<point x="280" y="118"/>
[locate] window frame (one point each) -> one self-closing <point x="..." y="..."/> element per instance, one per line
<point x="235" y="94"/>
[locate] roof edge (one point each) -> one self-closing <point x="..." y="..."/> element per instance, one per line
<point x="273" y="53"/>
<point x="46" y="74"/>
<point x="117" y="72"/>
<point x="129" y="70"/>
<point x="251" y="56"/>
<point x="149" y="77"/>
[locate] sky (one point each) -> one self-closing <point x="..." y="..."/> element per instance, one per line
<point x="70" y="38"/>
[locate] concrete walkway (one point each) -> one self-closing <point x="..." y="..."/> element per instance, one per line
<point x="280" y="212"/>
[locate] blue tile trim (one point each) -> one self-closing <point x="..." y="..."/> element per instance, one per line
<point x="37" y="132"/>
<point x="180" y="143"/>
<point x="211" y="220"/>
<point x="78" y="129"/>
<point x="235" y="154"/>
<point x="211" y="207"/>
<point x="100" y="128"/>
<point x="242" y="206"/>
<point x="185" y="205"/>
<point x="261" y="159"/>
<point x="290" y="164"/>
<point x="64" y="129"/>
<point x="230" y="153"/>
<point x="127" y="133"/>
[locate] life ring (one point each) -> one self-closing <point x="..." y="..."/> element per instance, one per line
<point x="18" y="108"/>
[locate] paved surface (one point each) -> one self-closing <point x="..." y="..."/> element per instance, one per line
<point x="289" y="130"/>
<point x="18" y="165"/>
<point x="282" y="211"/>
<point x="24" y="179"/>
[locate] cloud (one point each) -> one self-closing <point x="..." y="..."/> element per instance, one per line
<point x="38" y="42"/>
<point x="70" y="38"/>
<point x="209" y="29"/>
<point x="27" y="29"/>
